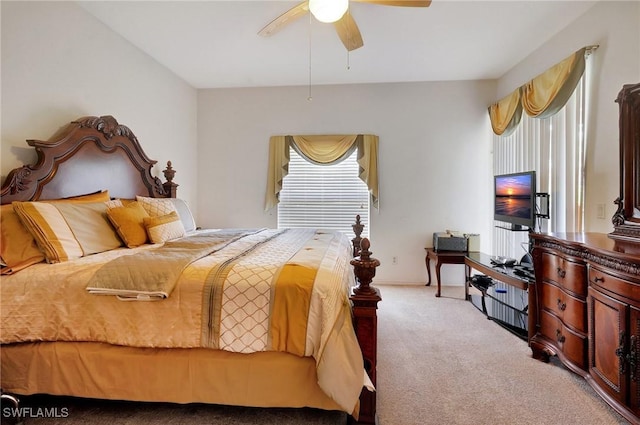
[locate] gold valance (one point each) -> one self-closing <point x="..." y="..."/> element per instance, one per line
<point x="506" y="114"/>
<point x="546" y="94"/>
<point x="323" y="150"/>
<point x="541" y="97"/>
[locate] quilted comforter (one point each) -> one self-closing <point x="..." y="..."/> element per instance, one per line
<point x="270" y="290"/>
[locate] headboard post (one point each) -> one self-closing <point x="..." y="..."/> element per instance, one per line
<point x="358" y="227"/>
<point x="170" y="187"/>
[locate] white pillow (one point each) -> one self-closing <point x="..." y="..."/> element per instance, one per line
<point x="184" y="212"/>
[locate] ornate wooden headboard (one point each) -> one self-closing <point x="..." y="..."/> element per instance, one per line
<point x="87" y="155"/>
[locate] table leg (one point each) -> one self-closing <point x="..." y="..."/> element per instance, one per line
<point x="467" y="280"/>
<point x="426" y="260"/>
<point x="484" y="305"/>
<point x="438" y="264"/>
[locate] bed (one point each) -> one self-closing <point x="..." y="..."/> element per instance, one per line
<point x="248" y="317"/>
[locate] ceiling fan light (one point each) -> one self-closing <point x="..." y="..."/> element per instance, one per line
<point x="328" y="10"/>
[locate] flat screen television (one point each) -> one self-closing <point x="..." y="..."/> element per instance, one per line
<point x="515" y="200"/>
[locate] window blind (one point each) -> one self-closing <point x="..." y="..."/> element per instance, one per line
<point x="555" y="147"/>
<point x="323" y="196"/>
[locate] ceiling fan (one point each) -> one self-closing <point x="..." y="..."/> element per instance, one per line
<point x="345" y="25"/>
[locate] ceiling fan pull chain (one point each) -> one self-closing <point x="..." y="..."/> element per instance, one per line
<point x="349" y="37"/>
<point x="309" y="98"/>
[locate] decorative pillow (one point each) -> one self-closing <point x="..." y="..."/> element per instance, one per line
<point x="101" y="196"/>
<point x="18" y="248"/>
<point x="129" y="223"/>
<point x="67" y="230"/>
<point x="164" y="228"/>
<point x="156" y="207"/>
<point x="184" y="212"/>
<point x="114" y="203"/>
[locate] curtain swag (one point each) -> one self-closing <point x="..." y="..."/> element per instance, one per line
<point x="322" y="150"/>
<point x="541" y="97"/>
<point x="506" y="114"/>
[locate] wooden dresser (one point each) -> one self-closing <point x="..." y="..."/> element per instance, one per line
<point x="587" y="312"/>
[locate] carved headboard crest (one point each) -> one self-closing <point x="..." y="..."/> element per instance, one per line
<point x="108" y="126"/>
<point x="98" y="153"/>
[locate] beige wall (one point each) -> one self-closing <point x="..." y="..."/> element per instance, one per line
<point x="434" y="164"/>
<point x="59" y="63"/>
<point x="434" y="168"/>
<point x="615" y="27"/>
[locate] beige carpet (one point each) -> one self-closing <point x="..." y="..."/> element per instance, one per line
<point x="440" y="361"/>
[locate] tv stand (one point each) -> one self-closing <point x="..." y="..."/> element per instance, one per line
<point x="497" y="294"/>
<point x="515" y="228"/>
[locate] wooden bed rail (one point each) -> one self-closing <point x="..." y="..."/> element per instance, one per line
<point x="365" y="299"/>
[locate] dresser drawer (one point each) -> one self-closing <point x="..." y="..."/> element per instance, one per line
<point x="572" y="344"/>
<point x="615" y="284"/>
<point x="572" y="311"/>
<point x="567" y="274"/>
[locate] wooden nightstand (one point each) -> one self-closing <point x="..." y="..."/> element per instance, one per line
<point x="441" y="257"/>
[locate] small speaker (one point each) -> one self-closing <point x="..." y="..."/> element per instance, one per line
<point x="526" y="260"/>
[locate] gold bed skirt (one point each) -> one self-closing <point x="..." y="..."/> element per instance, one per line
<point x="180" y="375"/>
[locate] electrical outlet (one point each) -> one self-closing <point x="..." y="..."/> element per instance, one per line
<point x="394" y="260"/>
<point x="600" y="213"/>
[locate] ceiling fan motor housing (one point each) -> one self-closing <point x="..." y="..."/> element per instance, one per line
<point x="328" y="11"/>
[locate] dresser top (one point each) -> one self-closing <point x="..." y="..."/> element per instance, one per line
<point x="595" y="242"/>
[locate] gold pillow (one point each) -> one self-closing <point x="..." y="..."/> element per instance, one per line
<point x="102" y="196"/>
<point x="68" y="230"/>
<point x="164" y="228"/>
<point x="18" y="248"/>
<point x="129" y="223"/>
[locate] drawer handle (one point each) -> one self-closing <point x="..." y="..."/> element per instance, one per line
<point x="562" y="306"/>
<point x="598" y="279"/>
<point x="559" y="337"/>
<point x="561" y="272"/>
<point x="632" y="358"/>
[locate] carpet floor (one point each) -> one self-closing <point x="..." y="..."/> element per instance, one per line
<point x="440" y="361"/>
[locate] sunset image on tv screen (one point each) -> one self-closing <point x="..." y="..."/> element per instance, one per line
<point x="513" y="195"/>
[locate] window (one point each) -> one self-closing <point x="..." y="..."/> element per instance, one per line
<point x="323" y="196"/>
<point x="555" y="147"/>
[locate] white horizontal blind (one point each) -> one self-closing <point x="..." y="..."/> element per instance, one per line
<point x="323" y="196"/>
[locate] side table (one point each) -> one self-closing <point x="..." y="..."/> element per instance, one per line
<point x="441" y="257"/>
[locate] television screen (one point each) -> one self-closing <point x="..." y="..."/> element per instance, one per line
<point x="515" y="199"/>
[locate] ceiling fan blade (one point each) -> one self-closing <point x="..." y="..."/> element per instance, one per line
<point x="348" y="32"/>
<point x="405" y="3"/>
<point x="282" y="20"/>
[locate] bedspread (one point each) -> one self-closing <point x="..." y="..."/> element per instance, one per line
<point x="152" y="274"/>
<point x="271" y="290"/>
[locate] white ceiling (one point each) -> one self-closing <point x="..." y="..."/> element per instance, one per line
<point x="212" y="44"/>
